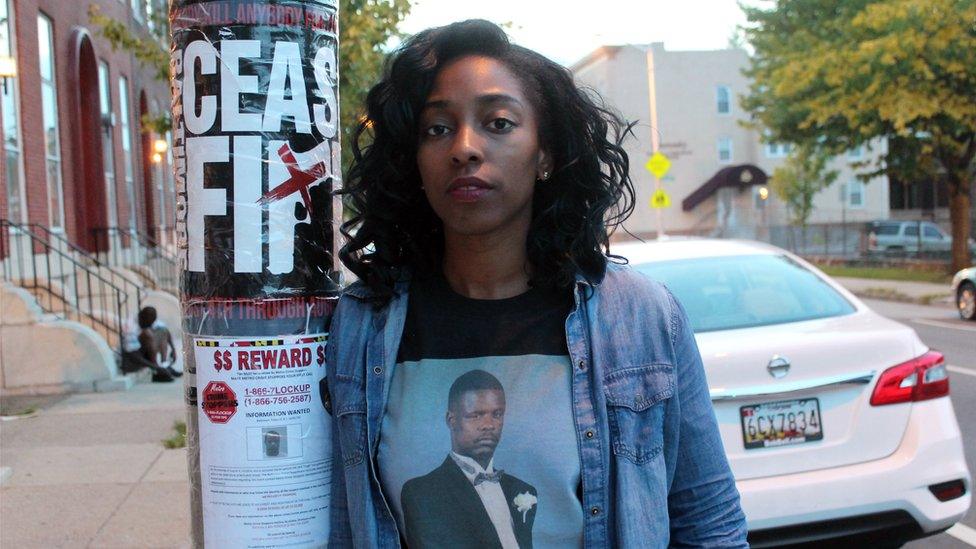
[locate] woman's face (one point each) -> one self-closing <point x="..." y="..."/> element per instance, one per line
<point x="479" y="153"/>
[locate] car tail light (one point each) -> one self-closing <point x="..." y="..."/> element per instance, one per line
<point x="872" y="241"/>
<point x="918" y="379"/>
<point x="947" y="491"/>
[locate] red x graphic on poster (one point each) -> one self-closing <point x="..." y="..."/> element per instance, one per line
<point x="299" y="180"/>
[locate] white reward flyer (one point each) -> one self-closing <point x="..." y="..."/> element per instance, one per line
<point x="265" y="447"/>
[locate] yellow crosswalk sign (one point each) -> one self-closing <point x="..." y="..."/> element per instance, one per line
<point x="658" y="165"/>
<point x="660" y="199"/>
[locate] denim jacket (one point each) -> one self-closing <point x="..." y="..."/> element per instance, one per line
<point x="654" y="472"/>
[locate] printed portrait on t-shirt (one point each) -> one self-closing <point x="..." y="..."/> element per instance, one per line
<point x="501" y="503"/>
<point x="478" y="446"/>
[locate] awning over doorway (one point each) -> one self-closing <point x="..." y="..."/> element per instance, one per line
<point x="741" y="176"/>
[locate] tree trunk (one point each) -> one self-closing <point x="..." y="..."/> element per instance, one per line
<point x="959" y="215"/>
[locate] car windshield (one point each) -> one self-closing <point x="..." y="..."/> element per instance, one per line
<point x="723" y="293"/>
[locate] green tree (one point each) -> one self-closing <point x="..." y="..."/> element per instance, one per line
<point x="149" y="49"/>
<point x="365" y="27"/>
<point x="801" y="176"/>
<point x="833" y="75"/>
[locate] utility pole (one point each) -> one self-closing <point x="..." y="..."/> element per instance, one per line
<point x="256" y="157"/>
<point x="658" y="198"/>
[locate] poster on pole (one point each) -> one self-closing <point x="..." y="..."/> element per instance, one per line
<point x="256" y="153"/>
<point x="264" y="425"/>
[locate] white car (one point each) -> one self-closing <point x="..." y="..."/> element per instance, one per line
<point x="836" y="421"/>
<point x="964" y="288"/>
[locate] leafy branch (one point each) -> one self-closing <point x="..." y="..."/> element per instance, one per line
<point x="147" y="49"/>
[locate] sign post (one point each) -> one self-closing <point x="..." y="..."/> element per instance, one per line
<point x="659" y="164"/>
<point x="256" y="157"/>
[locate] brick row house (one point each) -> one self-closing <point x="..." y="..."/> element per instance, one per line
<point x="86" y="191"/>
<point x="76" y="158"/>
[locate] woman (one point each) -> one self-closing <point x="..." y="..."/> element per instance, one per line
<point x="495" y="381"/>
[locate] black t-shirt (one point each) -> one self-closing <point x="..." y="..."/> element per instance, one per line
<point x="444" y="324"/>
<point x="478" y="444"/>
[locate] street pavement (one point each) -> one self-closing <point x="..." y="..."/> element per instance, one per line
<point x="91" y="471"/>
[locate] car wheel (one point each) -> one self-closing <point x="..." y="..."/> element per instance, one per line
<point x="966" y="300"/>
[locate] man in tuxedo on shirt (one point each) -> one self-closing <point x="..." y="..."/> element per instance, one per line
<point x="466" y="502"/>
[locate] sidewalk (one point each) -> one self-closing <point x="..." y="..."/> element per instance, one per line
<point x="91" y="471"/>
<point x="923" y="293"/>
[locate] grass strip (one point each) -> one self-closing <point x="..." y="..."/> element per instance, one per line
<point x="886" y="273"/>
<point x="178" y="440"/>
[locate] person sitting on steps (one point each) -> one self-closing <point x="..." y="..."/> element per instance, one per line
<point x="156" y="350"/>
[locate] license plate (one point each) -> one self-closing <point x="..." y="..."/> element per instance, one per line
<point x="781" y="423"/>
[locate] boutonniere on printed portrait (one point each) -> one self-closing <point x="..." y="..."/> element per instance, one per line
<point x="523" y="503"/>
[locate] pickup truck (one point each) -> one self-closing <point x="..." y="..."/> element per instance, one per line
<point x="909" y="236"/>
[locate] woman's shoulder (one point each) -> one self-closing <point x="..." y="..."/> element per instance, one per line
<point x="628" y="297"/>
<point x="352" y="303"/>
<point x="358" y="302"/>
<point x="623" y="282"/>
<point x="358" y="290"/>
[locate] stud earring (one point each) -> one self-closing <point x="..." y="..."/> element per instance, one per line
<point x="545" y="176"/>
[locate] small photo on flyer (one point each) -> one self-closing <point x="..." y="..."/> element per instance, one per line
<point x="274" y="442"/>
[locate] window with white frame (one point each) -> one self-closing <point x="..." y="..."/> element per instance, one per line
<point x="49" y="118"/>
<point x="855" y="194"/>
<point x="723" y="99"/>
<point x="108" y="141"/>
<point x="725" y="150"/>
<point x="773" y="149"/>
<point x="10" y="112"/>
<point x="130" y="184"/>
<point x="778" y="150"/>
<point x="138" y="9"/>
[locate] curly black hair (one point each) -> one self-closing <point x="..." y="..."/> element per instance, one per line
<point x="587" y="196"/>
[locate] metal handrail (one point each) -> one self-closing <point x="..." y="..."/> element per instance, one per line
<point x="164" y="265"/>
<point x="82" y="255"/>
<point x="49" y="272"/>
<point x="142" y="238"/>
<point x="165" y="240"/>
